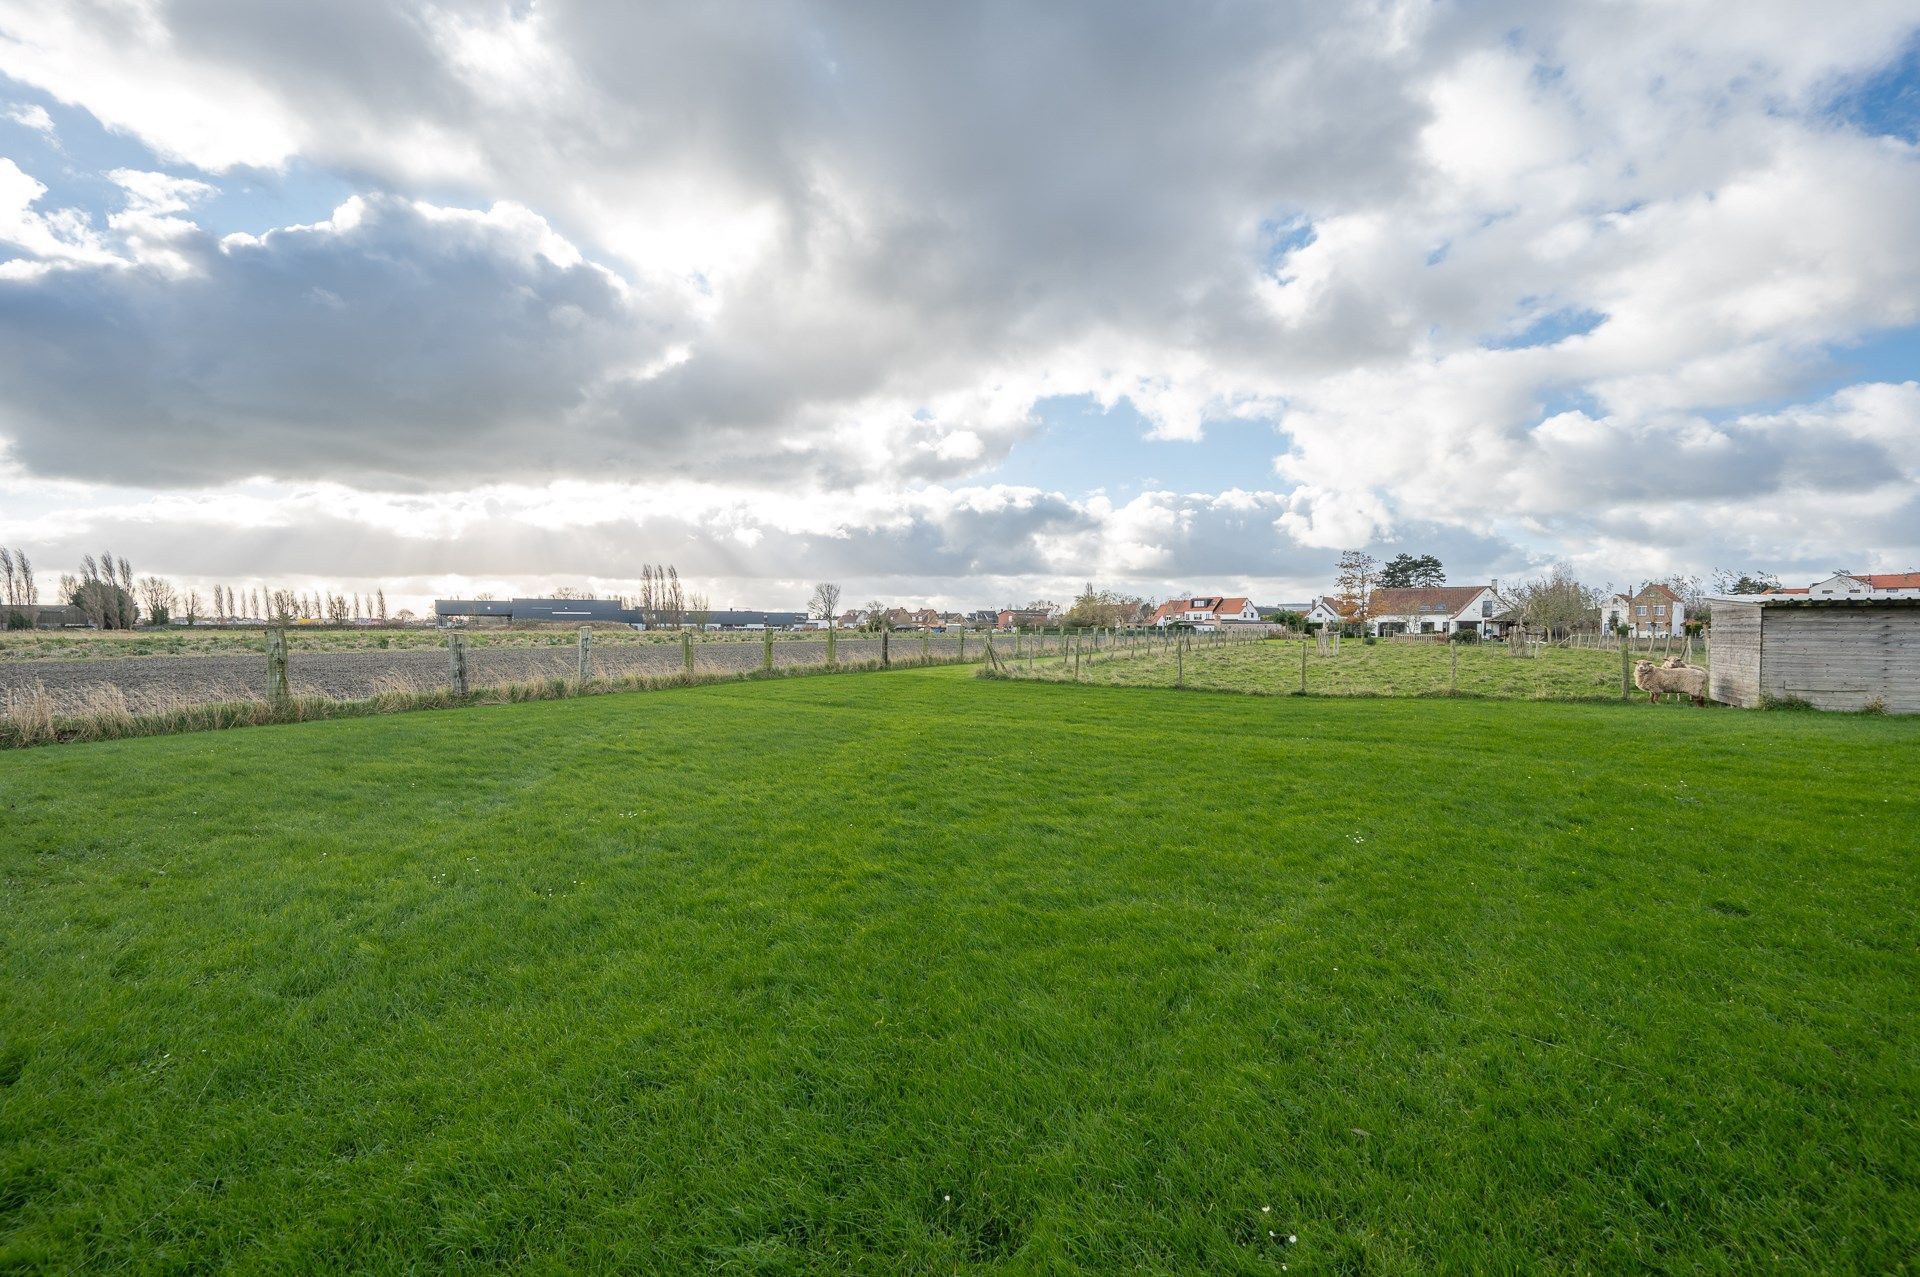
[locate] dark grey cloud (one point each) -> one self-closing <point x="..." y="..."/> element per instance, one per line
<point x="386" y="349"/>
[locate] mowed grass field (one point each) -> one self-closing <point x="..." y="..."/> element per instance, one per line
<point x="1403" y="667"/>
<point x="920" y="972"/>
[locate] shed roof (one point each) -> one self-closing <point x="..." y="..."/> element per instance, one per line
<point x="1802" y="600"/>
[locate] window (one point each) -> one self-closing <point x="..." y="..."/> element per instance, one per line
<point x="1486" y="608"/>
<point x="1660" y="609"/>
<point x="1640" y="610"/>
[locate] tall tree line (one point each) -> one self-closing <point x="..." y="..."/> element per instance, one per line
<point x="662" y="598"/>
<point x="17" y="589"/>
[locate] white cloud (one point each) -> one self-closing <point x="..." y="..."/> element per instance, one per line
<point x="31" y="115"/>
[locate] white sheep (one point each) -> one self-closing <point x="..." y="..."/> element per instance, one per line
<point x="1688" y="680"/>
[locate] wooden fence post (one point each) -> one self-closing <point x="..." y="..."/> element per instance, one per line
<point x="926" y="647"/>
<point x="277" y="690"/>
<point x="1303" y="667"/>
<point x="885" y="659"/>
<point x="766" y="652"/>
<point x="686" y="653"/>
<point x="831" y="633"/>
<point x="1180" y="665"/>
<point x="963" y="645"/>
<point x="457" y="662"/>
<point x="1453" y="669"/>
<point x="586" y="652"/>
<point x="1626" y="656"/>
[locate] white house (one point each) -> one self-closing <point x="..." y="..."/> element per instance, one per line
<point x="1434" y="609"/>
<point x="1866" y="585"/>
<point x="1327" y="610"/>
<point x="1204" y="610"/>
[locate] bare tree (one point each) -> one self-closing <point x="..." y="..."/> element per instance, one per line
<point x="1355" y="576"/>
<point x="676" y="601"/>
<point x="101" y="598"/>
<point x="380" y="602"/>
<point x="1096" y="609"/>
<point x="1555" y="602"/>
<point x="825" y="602"/>
<point x="129" y="608"/>
<point x="190" y="604"/>
<point x="18" y="597"/>
<point x="159" y="596"/>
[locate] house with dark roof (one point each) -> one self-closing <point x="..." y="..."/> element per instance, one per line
<point x="1432" y="609"/>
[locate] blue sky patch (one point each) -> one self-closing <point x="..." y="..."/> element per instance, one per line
<point x="1553" y="326"/>
<point x="1886" y="103"/>
<point x="1079" y="448"/>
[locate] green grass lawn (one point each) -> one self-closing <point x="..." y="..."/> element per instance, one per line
<point x="1387" y="668"/>
<point x="922" y="972"/>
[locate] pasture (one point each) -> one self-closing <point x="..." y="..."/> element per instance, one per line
<point x="1393" y="667"/>
<point x="922" y="972"/>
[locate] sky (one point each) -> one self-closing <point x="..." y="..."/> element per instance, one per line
<point x="957" y="304"/>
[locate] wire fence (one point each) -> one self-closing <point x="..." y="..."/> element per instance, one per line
<point x="1330" y="664"/>
<point x="275" y="664"/>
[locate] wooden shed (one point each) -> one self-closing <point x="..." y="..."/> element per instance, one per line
<point x="1841" y="654"/>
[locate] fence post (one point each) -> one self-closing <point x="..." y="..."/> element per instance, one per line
<point x="963" y="645"/>
<point x="832" y="632"/>
<point x="766" y="653"/>
<point x="277" y="690"/>
<point x="1453" y="668"/>
<point x="926" y="647"/>
<point x="1626" y="654"/>
<point x="1303" y="667"/>
<point x="1179" y="664"/>
<point x="457" y="662"/>
<point x="686" y="653"/>
<point x="586" y="652"/>
<point x="885" y="659"/>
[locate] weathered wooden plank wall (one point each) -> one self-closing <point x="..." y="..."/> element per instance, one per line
<point x="1735" y="672"/>
<point x="1840" y="658"/>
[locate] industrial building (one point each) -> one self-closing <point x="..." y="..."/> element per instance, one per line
<point x="603" y="612"/>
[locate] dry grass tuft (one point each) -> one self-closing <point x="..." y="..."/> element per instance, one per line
<point x="104" y="713"/>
